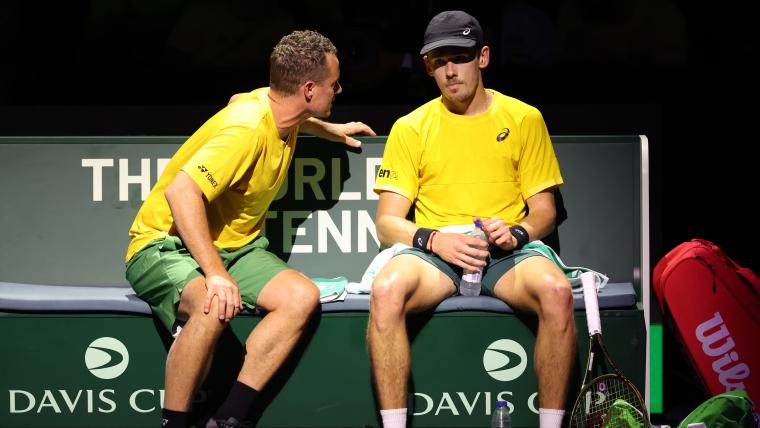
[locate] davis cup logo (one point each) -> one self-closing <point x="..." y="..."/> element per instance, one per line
<point x="106" y="358"/>
<point x="501" y="360"/>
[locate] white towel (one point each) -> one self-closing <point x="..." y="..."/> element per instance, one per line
<point x="378" y="262"/>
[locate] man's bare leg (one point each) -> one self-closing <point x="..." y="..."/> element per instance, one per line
<point x="290" y="300"/>
<point x="191" y="353"/>
<point x="406" y="284"/>
<point x="538" y="286"/>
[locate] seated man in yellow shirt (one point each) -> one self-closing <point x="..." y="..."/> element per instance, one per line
<point x="197" y="255"/>
<point x="471" y="153"/>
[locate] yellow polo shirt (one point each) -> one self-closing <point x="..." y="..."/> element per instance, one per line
<point x="455" y="167"/>
<point x="238" y="160"/>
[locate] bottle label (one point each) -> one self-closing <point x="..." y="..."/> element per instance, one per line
<point x="472" y="276"/>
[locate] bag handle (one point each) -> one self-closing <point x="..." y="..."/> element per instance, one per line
<point x="746" y="274"/>
<point x="750" y="278"/>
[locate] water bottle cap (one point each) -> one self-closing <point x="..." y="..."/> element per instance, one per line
<point x="501" y="404"/>
<point x="478" y="224"/>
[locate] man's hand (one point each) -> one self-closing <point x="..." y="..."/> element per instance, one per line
<point x="498" y="233"/>
<point x="352" y="128"/>
<point x="338" y="132"/>
<point x="465" y="251"/>
<point x="228" y="296"/>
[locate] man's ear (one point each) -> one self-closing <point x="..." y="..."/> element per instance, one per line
<point x="308" y="90"/>
<point x="428" y="68"/>
<point x="485" y="57"/>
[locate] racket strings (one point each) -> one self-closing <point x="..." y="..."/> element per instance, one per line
<point x="608" y="402"/>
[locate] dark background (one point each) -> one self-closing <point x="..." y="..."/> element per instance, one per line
<point x="680" y="72"/>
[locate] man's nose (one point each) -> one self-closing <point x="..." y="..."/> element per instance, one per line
<point x="450" y="69"/>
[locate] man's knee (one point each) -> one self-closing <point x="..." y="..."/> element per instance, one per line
<point x="208" y="323"/>
<point x="388" y="296"/>
<point x="556" y="298"/>
<point x="301" y="302"/>
<point x="192" y="298"/>
<point x="303" y="299"/>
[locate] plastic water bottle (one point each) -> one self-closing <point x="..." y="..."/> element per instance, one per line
<point x="470" y="283"/>
<point x="501" y="417"/>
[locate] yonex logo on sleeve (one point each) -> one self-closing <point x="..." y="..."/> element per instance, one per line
<point x="106" y="358"/>
<point x="209" y="177"/>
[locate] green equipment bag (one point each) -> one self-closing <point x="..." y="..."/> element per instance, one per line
<point x="732" y="409"/>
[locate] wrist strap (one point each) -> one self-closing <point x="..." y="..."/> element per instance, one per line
<point x="430" y="241"/>
<point x="520" y="234"/>
<point x="421" y="238"/>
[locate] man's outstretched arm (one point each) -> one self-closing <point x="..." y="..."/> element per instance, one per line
<point x="338" y="132"/>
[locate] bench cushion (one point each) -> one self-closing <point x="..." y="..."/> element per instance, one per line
<point x="15" y="297"/>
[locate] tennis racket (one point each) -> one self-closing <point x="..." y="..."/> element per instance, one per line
<point x="598" y="403"/>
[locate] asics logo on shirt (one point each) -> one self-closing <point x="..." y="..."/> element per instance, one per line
<point x="502" y="135"/>
<point x="202" y="168"/>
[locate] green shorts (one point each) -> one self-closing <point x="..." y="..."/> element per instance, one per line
<point x="159" y="272"/>
<point x="499" y="262"/>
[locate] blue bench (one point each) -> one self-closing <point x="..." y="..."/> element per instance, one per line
<point x="57" y="298"/>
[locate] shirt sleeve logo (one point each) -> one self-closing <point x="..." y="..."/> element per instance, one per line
<point x="209" y="177"/>
<point x="502" y="135"/>
<point x="387" y="173"/>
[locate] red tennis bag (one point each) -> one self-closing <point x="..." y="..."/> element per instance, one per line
<point x="714" y="305"/>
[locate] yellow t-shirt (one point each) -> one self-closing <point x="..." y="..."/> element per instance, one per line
<point x="455" y="167"/>
<point x="238" y="160"/>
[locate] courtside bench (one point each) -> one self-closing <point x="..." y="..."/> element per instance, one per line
<point x="87" y="353"/>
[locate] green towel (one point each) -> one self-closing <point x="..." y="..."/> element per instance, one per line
<point x="573" y="272"/>
<point x="331" y="289"/>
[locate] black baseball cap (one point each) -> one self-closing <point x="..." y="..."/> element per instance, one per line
<point x="452" y="28"/>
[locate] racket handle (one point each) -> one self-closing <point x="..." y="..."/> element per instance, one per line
<point x="588" y="279"/>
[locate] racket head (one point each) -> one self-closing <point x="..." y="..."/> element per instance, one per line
<point x="594" y="408"/>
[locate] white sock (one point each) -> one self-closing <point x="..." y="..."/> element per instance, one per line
<point x="550" y="418"/>
<point x="394" y="418"/>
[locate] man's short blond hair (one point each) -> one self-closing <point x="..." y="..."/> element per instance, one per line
<point x="298" y="57"/>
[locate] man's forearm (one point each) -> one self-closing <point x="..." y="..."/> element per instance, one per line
<point x="542" y="215"/>
<point x="189" y="212"/>
<point x="319" y="128"/>
<point x="538" y="224"/>
<point x="393" y="229"/>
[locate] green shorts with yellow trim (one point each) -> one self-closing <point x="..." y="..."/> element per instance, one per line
<point x="159" y="272"/>
<point x="499" y="263"/>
